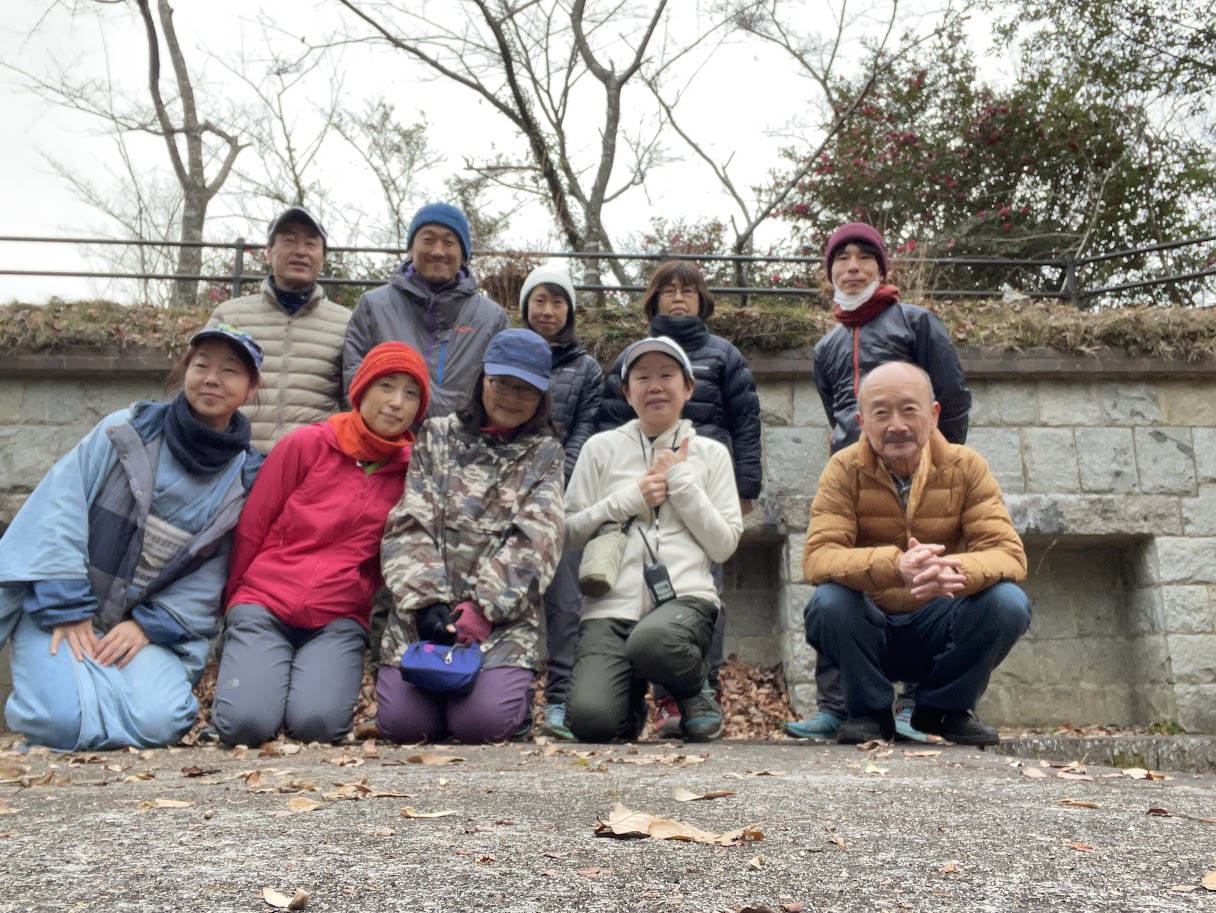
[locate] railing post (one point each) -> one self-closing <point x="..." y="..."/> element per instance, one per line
<point x="1070" y="280"/>
<point x="238" y="267"/>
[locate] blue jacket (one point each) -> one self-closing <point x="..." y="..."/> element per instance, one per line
<point x="72" y="550"/>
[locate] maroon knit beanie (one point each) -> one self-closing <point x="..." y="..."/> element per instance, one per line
<point x="853" y="233"/>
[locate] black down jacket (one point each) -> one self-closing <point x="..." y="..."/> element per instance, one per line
<point x="724" y="404"/>
<point x="901" y="332"/>
<point x="575" y="391"/>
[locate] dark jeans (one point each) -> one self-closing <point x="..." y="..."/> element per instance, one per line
<point x="716" y="650"/>
<point x="492" y="711"/>
<point x="276" y="676"/>
<point x="616" y="659"/>
<point x="563" y="605"/>
<point x="948" y="646"/>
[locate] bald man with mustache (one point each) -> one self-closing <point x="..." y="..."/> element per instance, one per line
<point x="915" y="563"/>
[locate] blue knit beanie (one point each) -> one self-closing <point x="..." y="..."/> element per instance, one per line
<point x="446" y="215"/>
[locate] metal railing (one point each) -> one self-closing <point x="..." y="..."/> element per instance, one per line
<point x="1068" y="266"/>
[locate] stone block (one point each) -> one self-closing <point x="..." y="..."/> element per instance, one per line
<point x="1002" y="448"/>
<point x="1205" y="453"/>
<point x="1193" y="658"/>
<point x="750" y="614"/>
<point x="1188" y="609"/>
<point x="791" y="558"/>
<point x="1150" y="660"/>
<point x="1067" y="404"/>
<point x="756" y="651"/>
<point x="1187" y="404"/>
<point x="1196" y="707"/>
<point x="755" y="567"/>
<point x="1053" y="619"/>
<point x="1186" y="560"/>
<point x="1095" y="515"/>
<point x="791" y="602"/>
<point x="1155" y="702"/>
<point x="802" y="697"/>
<point x="793" y="460"/>
<point x="808" y="408"/>
<point x="1199" y="513"/>
<point x="1129" y="403"/>
<point x="1145" y="612"/>
<point x="1106" y="458"/>
<point x="27" y="453"/>
<point x="1022" y="664"/>
<point x="48" y="402"/>
<point x="1050" y="456"/>
<point x="11" y="394"/>
<point x="10" y="503"/>
<point x="1098" y="614"/>
<point x="1165" y="459"/>
<point x="1002" y="403"/>
<point x="776" y="404"/>
<point x="1104" y="660"/>
<point x="102" y="399"/>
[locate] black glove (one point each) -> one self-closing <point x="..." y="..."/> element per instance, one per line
<point x="433" y="622"/>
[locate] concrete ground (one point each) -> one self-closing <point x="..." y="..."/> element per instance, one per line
<point x="879" y="830"/>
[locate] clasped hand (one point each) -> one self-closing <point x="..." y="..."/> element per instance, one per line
<point x="118" y="646"/>
<point x="653" y="485"/>
<point x="929" y="573"/>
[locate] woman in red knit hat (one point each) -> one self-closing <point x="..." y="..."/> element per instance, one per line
<point x="306" y="560"/>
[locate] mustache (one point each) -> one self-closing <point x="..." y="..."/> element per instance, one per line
<point x="902" y="437"/>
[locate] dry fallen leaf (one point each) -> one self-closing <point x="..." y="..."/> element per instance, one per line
<point x="426" y="757"/>
<point x="6" y="809"/>
<point x="163" y="803"/>
<point x="1166" y="813"/>
<point x="592" y="873"/>
<point x="680" y="794"/>
<point x="1078" y="803"/>
<point x="756" y="863"/>
<point x="622" y="822"/>
<point x="1081" y="847"/>
<point x="1184" y="888"/>
<point x="13" y="774"/>
<point x="1033" y="772"/>
<point x="796" y="907"/>
<point x="408" y="812"/>
<point x="1140" y="773"/>
<point x="921" y="754"/>
<point x="950" y="868"/>
<point x="136" y="778"/>
<point x="875" y="769"/>
<point x="198" y="772"/>
<point x="297" y="901"/>
<point x="1208" y="882"/>
<point x="298" y="804"/>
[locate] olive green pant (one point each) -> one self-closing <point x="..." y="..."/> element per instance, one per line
<point x="616" y="660"/>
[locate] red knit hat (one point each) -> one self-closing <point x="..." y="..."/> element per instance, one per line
<point x="852" y="233"/>
<point x="391" y="358"/>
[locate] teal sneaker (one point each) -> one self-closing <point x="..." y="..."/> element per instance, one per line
<point x="700" y="717"/>
<point x="553" y="723"/>
<point x="823" y="727"/>
<point x="904" y="728"/>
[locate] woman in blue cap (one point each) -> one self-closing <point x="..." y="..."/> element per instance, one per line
<point x="471" y="547"/>
<point x="111" y="574"/>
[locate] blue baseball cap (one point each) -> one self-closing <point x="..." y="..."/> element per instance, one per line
<point x="246" y="346"/>
<point x="522" y="354"/>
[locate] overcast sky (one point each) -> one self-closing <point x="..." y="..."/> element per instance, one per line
<point x="742" y="103"/>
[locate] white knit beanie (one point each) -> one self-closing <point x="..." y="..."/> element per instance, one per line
<point x="554" y="271"/>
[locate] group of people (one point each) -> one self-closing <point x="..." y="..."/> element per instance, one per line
<point x="473" y="501"/>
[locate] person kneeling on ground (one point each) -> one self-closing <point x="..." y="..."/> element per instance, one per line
<point x="470" y="548"/>
<point x="675" y="491"/>
<point x="306" y="561"/>
<point x="111" y="573"/>
<point x="913" y="556"/>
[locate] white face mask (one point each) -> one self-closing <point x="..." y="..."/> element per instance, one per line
<point x="849" y="302"/>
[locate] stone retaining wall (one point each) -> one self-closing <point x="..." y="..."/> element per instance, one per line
<point x="1108" y="466"/>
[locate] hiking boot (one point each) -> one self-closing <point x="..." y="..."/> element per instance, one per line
<point x="666" y="718"/>
<point x="553" y="723"/>
<point x="700" y="717"/>
<point x="959" y="726"/>
<point x="821" y="727"/>
<point x="867" y="727"/>
<point x="903" y="726"/>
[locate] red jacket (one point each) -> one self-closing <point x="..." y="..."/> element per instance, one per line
<point x="307" y="546"/>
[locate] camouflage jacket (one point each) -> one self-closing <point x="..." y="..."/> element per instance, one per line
<point x="480" y="520"/>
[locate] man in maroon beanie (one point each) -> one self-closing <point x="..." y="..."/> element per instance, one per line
<point x="873" y="327"/>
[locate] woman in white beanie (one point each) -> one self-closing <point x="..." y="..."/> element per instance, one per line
<point x="547" y="303"/>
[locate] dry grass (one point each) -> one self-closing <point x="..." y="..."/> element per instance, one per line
<point x="772" y="325"/>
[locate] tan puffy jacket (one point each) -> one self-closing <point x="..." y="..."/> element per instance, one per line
<point x="859" y="529"/>
<point x="301" y="374"/>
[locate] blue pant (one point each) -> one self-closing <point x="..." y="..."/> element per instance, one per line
<point x="948" y="646"/>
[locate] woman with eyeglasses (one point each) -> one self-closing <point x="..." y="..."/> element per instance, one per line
<point x="723" y="406"/>
<point x="111" y="573"/>
<point x="471" y="547"/>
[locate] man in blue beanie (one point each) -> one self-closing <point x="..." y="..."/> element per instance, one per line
<point x="431" y="303"/>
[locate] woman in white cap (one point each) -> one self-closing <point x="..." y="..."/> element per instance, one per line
<point x="673" y="493"/>
<point x="547" y="303"/>
<point x="111" y="574"/>
<point x="469" y="549"/>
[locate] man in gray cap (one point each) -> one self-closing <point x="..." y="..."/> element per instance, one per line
<point x="300" y="330"/>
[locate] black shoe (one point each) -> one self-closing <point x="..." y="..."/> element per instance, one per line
<point x="959" y="726"/>
<point x="866" y="727"/>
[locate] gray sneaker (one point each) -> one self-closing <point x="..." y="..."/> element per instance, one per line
<point x="700" y="717"/>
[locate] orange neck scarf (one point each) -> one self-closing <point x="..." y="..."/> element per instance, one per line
<point x="356" y="440"/>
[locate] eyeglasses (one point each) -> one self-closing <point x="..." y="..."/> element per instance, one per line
<point x="668" y="292"/>
<point x="514" y="388"/>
